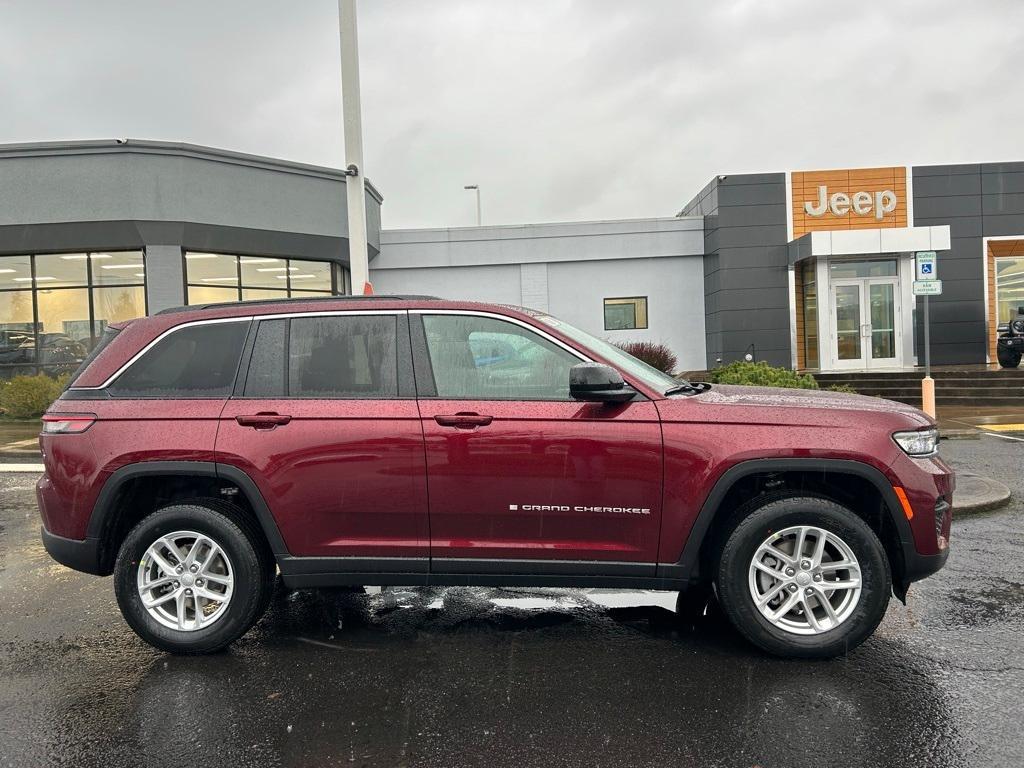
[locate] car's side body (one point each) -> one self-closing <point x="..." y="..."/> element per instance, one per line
<point x="407" y="488"/>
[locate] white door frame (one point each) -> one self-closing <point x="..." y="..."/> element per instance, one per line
<point x="865" y="361"/>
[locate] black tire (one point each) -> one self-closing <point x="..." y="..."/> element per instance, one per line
<point x="733" y="588"/>
<point x="252" y="562"/>
<point x="1008" y="358"/>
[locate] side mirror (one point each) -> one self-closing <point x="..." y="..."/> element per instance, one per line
<point x="598" y="383"/>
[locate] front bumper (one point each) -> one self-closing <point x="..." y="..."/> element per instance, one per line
<point x="82" y="555"/>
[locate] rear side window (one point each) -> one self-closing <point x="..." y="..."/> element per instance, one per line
<point x="104" y="341"/>
<point x="337" y="357"/>
<point x="195" y="362"/>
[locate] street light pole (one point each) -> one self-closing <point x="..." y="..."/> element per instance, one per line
<point x="476" y="188"/>
<point x="355" y="186"/>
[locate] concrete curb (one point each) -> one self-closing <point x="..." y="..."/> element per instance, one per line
<point x="976" y="494"/>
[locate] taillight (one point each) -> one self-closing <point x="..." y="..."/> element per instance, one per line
<point x="67" y="423"/>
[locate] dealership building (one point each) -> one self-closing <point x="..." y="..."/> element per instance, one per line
<point x="808" y="269"/>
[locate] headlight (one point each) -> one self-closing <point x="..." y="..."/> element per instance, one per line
<point x="922" y="443"/>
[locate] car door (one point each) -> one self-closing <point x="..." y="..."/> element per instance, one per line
<point x="325" y="421"/>
<point x="519" y="475"/>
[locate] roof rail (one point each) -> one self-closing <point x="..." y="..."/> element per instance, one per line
<point x="298" y="299"/>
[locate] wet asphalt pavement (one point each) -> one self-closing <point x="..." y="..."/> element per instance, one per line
<point x="466" y="677"/>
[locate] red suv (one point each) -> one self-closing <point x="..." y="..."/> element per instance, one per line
<point x="409" y="440"/>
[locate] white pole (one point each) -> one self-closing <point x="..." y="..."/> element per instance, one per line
<point x="355" y="188"/>
<point x="476" y="188"/>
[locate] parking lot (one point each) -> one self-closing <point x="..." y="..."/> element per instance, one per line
<point x="454" y="677"/>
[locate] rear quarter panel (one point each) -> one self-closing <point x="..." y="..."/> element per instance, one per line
<point x="125" y="432"/>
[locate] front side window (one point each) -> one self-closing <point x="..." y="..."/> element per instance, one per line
<point x="330" y="357"/>
<point x="625" y="314"/>
<point x="197" y="361"/>
<point x="482" y="358"/>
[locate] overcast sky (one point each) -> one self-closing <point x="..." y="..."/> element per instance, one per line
<point x="559" y="109"/>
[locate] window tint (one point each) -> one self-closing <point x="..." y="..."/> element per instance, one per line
<point x="351" y="356"/>
<point x="199" y="361"/>
<point x="481" y="358"/>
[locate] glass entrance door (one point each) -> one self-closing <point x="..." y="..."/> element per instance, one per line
<point x="865" y="314"/>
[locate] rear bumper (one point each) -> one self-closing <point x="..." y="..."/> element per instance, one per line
<point x="82" y="555"/>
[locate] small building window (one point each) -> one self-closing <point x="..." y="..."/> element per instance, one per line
<point x="1009" y="288"/>
<point x="624" y="314"/>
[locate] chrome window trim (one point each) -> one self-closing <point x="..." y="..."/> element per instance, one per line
<point x="514" y="320"/>
<point x="240" y="319"/>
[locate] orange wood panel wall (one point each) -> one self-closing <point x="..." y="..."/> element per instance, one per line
<point x="871" y="180"/>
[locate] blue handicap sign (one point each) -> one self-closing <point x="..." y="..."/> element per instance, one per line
<point x="926" y="269"/>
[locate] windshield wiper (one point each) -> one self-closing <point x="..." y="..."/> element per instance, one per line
<point x="688" y="388"/>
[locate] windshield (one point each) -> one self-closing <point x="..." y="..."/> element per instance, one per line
<point x="628" y="364"/>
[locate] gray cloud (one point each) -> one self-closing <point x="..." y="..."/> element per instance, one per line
<point x="558" y="109"/>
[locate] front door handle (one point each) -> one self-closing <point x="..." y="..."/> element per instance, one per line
<point x="464" y="420"/>
<point x="263" y="420"/>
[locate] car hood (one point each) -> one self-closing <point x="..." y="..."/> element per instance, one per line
<point x="817" y="399"/>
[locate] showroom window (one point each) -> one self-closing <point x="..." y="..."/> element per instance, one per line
<point x="213" y="278"/>
<point x="1009" y="287"/>
<point x="625" y="314"/>
<point x="54" y="306"/>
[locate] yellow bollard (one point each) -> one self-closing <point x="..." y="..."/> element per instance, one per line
<point x="928" y="395"/>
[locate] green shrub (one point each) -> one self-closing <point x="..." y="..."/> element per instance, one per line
<point x="27" y="397"/>
<point x="842" y="388"/>
<point x="761" y="375"/>
<point x="655" y="355"/>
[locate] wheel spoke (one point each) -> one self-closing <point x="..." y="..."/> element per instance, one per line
<point x="787" y="605"/>
<point x="798" y="548"/>
<point x="217" y="578"/>
<point x="819" y="547"/>
<point x="770" y="595"/>
<point x="840" y="584"/>
<point x="169" y="545"/>
<point x="215" y="597"/>
<point x="825" y="603"/>
<point x="769" y="548"/>
<point x="181" y="597"/>
<point x="162" y="562"/>
<point x="809" y="614"/>
<point x="151" y="602"/>
<point x="778" y="574"/>
<point x="210" y="558"/>
<point x="837" y="565"/>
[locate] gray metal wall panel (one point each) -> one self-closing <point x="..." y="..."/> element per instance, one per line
<point x="165" y="279"/>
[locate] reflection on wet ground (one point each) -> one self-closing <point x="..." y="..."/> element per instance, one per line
<point x="461" y="676"/>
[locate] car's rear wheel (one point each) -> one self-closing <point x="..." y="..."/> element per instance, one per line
<point x="804" y="577"/>
<point x="193" y="578"/>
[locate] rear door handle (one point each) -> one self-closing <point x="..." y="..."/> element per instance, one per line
<point x="263" y="420"/>
<point x="464" y="420"/>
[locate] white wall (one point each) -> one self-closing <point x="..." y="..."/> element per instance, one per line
<point x="566" y="269"/>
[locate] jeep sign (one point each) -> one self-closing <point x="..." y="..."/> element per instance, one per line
<point x="860" y="203"/>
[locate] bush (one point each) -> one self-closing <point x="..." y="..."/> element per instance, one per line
<point x="842" y="388"/>
<point x="761" y="375"/>
<point x="28" y="397"/>
<point x="655" y="355"/>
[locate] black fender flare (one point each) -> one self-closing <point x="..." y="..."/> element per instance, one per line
<point x="101" y="520"/>
<point x="688" y="566"/>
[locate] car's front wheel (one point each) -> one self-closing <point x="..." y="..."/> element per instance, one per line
<point x="193" y="578"/>
<point x="804" y="577"/>
<point x="1008" y="358"/>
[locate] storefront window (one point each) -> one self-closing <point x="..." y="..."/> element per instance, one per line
<point x="839" y="270"/>
<point x="810" y="303"/>
<point x="1009" y="287"/>
<point x="218" y="277"/>
<point x="54" y="306"/>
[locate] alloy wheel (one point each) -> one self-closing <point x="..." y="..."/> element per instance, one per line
<point x="185" y="581"/>
<point x="805" y="580"/>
